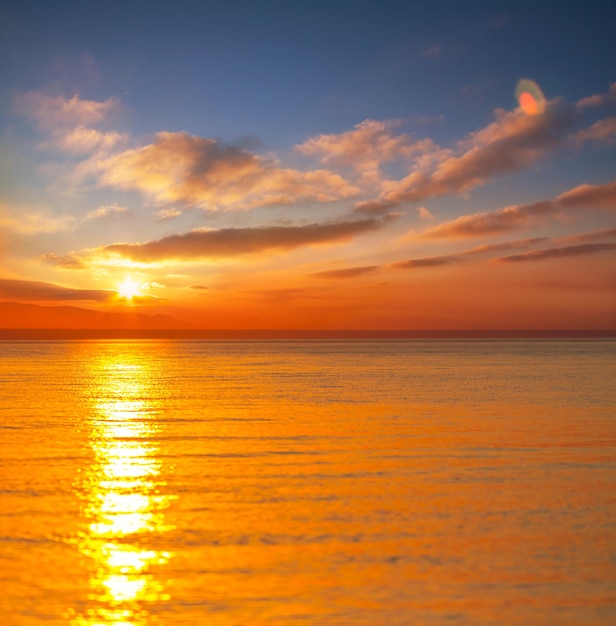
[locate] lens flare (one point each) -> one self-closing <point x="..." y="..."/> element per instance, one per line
<point x="530" y="97"/>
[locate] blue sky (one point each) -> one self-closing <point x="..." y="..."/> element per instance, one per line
<point x="257" y="100"/>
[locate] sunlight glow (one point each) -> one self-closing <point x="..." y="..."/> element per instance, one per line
<point x="129" y="289"/>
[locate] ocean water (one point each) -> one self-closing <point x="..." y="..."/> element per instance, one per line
<point x="307" y="483"/>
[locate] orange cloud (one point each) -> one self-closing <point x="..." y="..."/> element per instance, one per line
<point x="37" y="290"/>
<point x="349" y="272"/>
<point x="52" y="111"/>
<point x="14" y="220"/>
<point x="365" y="147"/>
<point x="224" y="243"/>
<point x="524" y="216"/>
<point x="84" y="140"/>
<point x="590" y="197"/>
<point x="112" y="210"/>
<point x="201" y="172"/>
<point x="603" y="131"/>
<point x="512" y="142"/>
<point x="448" y="259"/>
<point x="551" y="253"/>
<point x="498" y="222"/>
<point x="597" y="100"/>
<point x="67" y="262"/>
<point x="597" y="235"/>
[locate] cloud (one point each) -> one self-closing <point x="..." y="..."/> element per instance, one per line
<point x="365" y="147"/>
<point x="449" y="259"/>
<point x="202" y="287"/>
<point x="551" y="253"/>
<point x="434" y="261"/>
<point x="498" y="222"/>
<point x="603" y="131"/>
<point x="36" y="290"/>
<point x="167" y="214"/>
<point x="424" y="214"/>
<point x="518" y="244"/>
<point x="111" y="210"/>
<point x="597" y="235"/>
<point x="431" y="51"/>
<point x="597" y="100"/>
<point x="349" y="272"/>
<point x="520" y="217"/>
<point x="231" y="242"/>
<point x="50" y="111"/>
<point x="512" y="142"/>
<point x="500" y="20"/>
<point x="34" y="223"/>
<point x="67" y="262"/>
<point x="201" y="172"/>
<point x="589" y="197"/>
<point x="84" y="140"/>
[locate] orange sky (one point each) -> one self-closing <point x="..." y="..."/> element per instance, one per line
<point x="466" y="196"/>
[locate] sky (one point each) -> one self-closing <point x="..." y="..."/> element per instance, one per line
<point x="325" y="165"/>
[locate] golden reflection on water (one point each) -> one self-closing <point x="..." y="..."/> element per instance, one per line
<point x="125" y="504"/>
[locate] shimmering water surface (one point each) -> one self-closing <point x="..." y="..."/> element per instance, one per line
<point x="312" y="483"/>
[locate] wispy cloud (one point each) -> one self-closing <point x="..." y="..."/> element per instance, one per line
<point x="598" y="99"/>
<point x="366" y="147"/>
<point x="37" y="290"/>
<point x="83" y="140"/>
<point x="51" y="111"/>
<point x="589" y="197"/>
<point x="448" y="259"/>
<point x="227" y="242"/>
<point x="552" y="253"/>
<point x="349" y="272"/>
<point x="603" y="131"/>
<point x="512" y="142"/>
<point x="597" y="235"/>
<point x="486" y="253"/>
<point x="433" y="50"/>
<point x="201" y="172"/>
<point x="519" y="217"/>
<point x="39" y="222"/>
<point x="111" y="210"/>
<point x="436" y="261"/>
<point x="66" y="261"/>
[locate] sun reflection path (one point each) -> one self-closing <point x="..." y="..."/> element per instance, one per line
<point x="125" y="506"/>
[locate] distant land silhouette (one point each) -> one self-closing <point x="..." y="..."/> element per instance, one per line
<point x="31" y="321"/>
<point x="34" y="316"/>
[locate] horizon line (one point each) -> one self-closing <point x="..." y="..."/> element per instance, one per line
<point x="248" y="334"/>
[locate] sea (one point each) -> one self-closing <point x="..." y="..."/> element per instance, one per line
<point x="338" y="482"/>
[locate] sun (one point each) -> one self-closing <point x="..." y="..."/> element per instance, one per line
<point x="129" y="289"/>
